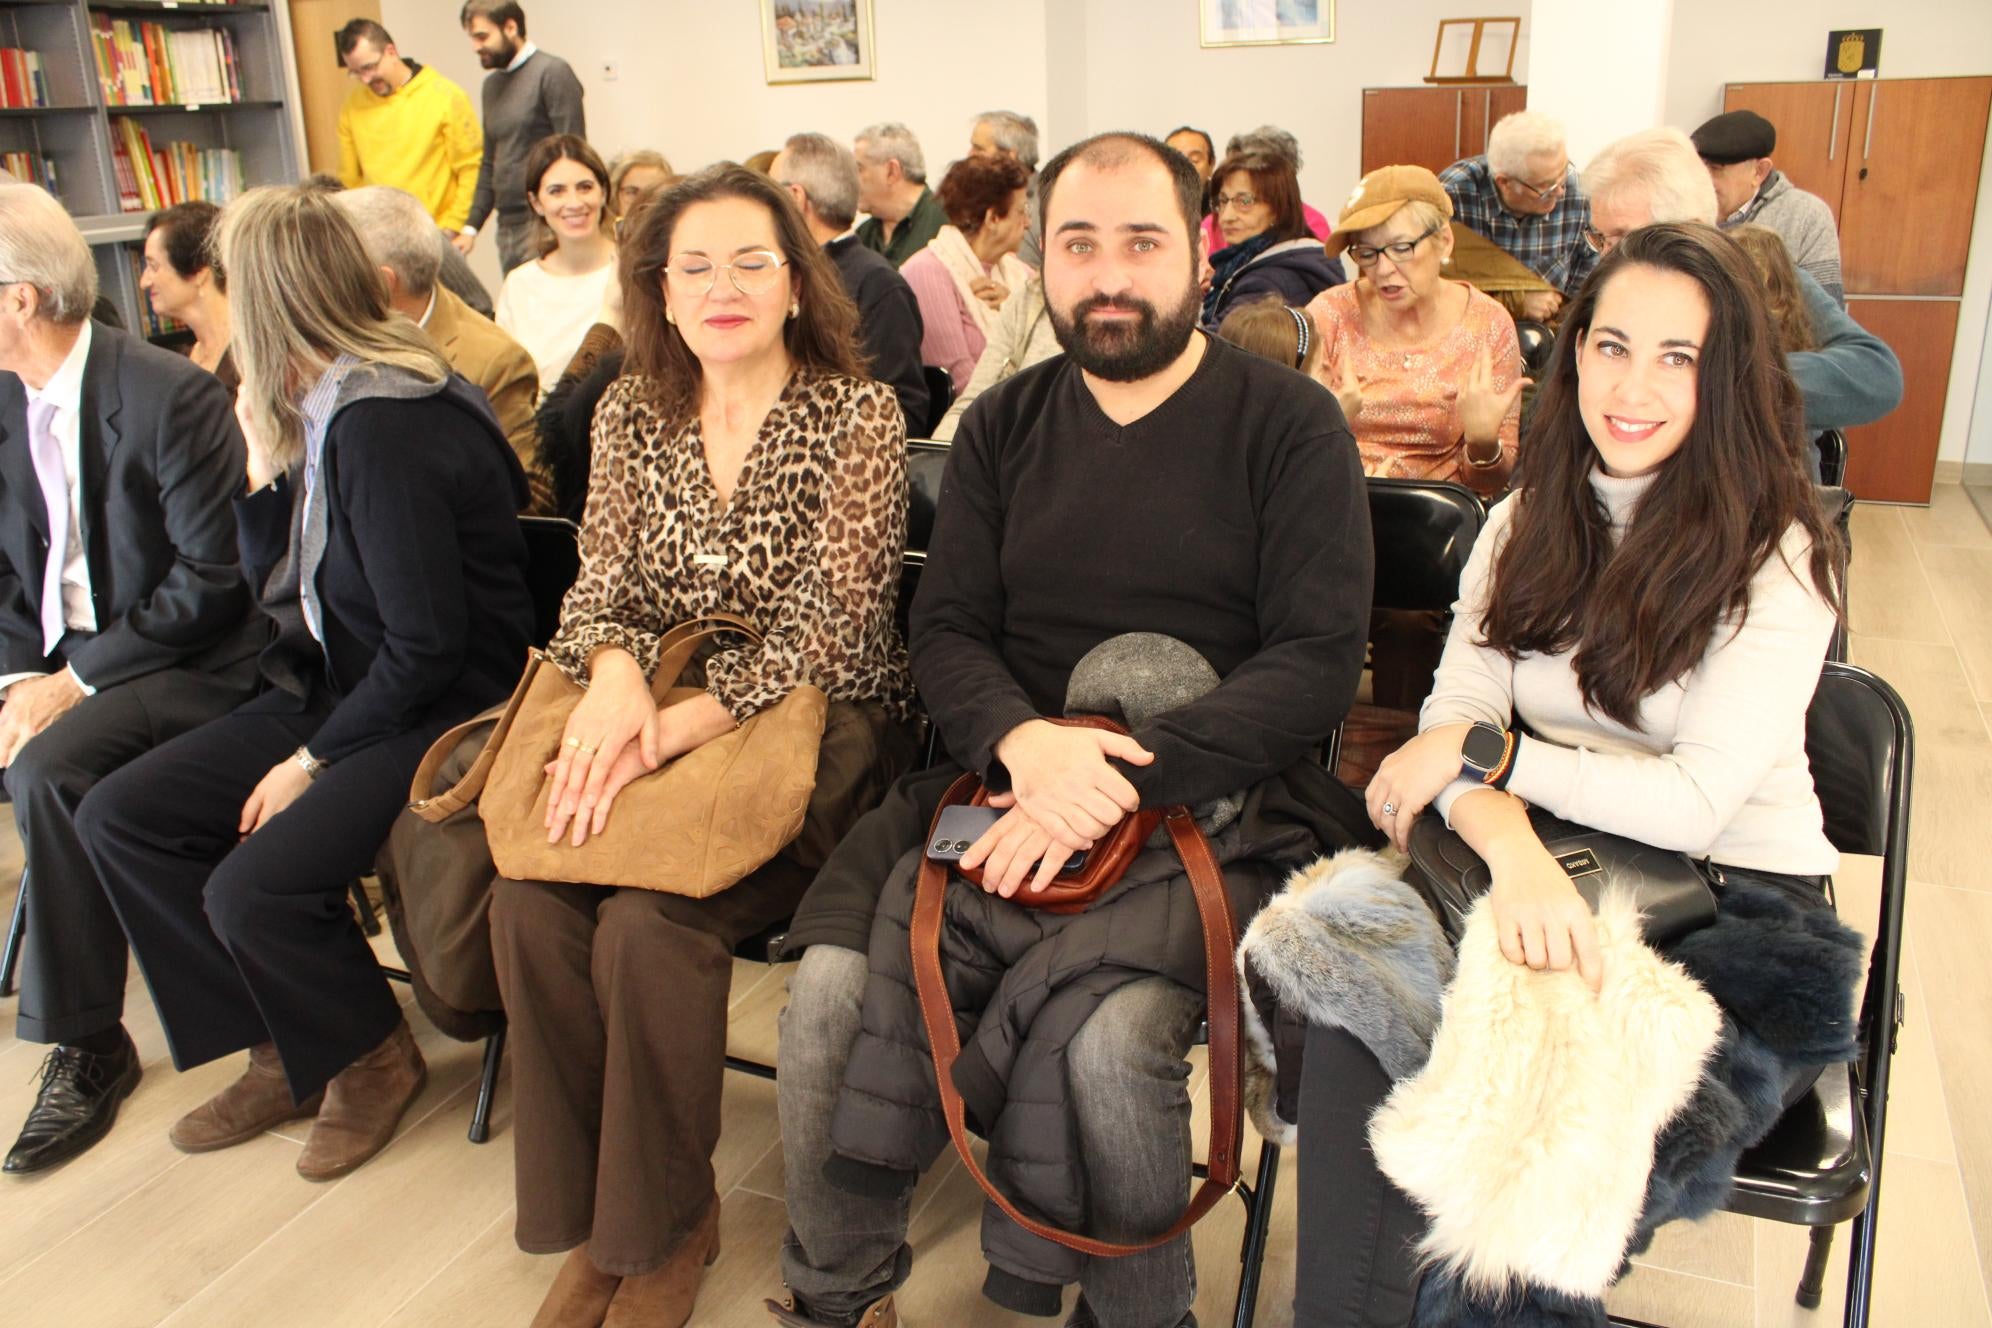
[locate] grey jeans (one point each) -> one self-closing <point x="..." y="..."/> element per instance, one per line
<point x="1130" y="1094"/>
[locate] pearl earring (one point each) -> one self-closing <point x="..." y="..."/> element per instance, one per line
<point x="795" y="307"/>
<point x="670" y="317"/>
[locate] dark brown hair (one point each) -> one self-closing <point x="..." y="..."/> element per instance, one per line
<point x="185" y="230"/>
<point x="1276" y="185"/>
<point x="499" y="12"/>
<point x="1790" y="319"/>
<point x="1642" y="614"/>
<point x="545" y="154"/>
<point x="976" y="186"/>
<point x="1119" y="148"/>
<point x="821" y="338"/>
<point x="1271" y="328"/>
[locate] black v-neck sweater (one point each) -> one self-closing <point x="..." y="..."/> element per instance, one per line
<point x="1232" y="516"/>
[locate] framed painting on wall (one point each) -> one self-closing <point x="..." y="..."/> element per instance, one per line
<point x="817" y="41"/>
<point x="1265" y="22"/>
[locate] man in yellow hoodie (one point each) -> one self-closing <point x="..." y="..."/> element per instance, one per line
<point x="406" y="126"/>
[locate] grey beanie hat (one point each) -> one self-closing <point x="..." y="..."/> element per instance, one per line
<point x="1133" y="678"/>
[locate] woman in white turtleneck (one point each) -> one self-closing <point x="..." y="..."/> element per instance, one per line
<point x="1653" y="606"/>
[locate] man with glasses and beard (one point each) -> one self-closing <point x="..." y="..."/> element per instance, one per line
<point x="1151" y="480"/>
<point x="528" y="95"/>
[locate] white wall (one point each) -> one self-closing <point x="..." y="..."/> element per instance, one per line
<point x="691" y="82"/>
<point x="1603" y="80"/>
<point x="1762" y="41"/>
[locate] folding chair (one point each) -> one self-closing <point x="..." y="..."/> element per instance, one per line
<point x="1821" y="1163"/>
<point x="940" y="395"/>
<point x="553" y="561"/>
<point x="10" y="959"/>
<point x="1832" y="447"/>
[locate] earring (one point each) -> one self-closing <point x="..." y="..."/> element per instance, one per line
<point x="795" y="307"/>
<point x="670" y="317"/>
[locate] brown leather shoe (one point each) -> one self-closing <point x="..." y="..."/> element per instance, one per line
<point x="879" y="1314"/>
<point x="238" y="1113"/>
<point x="579" y="1296"/>
<point x="363" y="1105"/>
<point x="663" y="1297"/>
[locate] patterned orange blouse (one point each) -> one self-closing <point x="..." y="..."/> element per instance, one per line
<point x="808" y="550"/>
<point x="1409" y="424"/>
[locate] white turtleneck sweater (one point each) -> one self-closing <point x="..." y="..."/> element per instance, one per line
<point x="1717" y="766"/>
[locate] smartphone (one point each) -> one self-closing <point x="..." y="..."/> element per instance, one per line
<point x="961" y="826"/>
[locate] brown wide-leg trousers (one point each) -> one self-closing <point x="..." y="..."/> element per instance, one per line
<point x="616" y="1000"/>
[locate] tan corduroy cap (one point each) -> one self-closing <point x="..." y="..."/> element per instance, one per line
<point x="1382" y="192"/>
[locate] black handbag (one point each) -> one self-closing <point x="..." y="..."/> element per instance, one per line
<point x="1673" y="894"/>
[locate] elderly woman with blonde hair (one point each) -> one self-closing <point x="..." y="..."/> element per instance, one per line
<point x="377" y="524"/>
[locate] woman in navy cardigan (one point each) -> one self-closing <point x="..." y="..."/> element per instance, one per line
<point x="378" y="528"/>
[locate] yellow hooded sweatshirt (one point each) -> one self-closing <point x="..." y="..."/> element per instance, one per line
<point x="423" y="138"/>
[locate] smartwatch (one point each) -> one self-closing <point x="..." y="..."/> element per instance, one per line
<point x="1487" y="755"/>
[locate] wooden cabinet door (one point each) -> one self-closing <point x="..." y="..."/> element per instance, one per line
<point x="1411" y="127"/>
<point x="1815" y="124"/>
<point x="1912" y="184"/>
<point x="1894" y="459"/>
<point x="1480" y="109"/>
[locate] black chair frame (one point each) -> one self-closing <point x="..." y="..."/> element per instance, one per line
<point x="940" y="396"/>
<point x="1821" y="1164"/>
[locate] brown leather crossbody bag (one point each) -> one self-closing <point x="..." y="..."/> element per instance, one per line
<point x="1106" y="864"/>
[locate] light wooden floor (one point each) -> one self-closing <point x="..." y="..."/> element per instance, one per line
<point x="136" y="1234"/>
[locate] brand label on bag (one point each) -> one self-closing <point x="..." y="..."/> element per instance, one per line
<point x="1583" y="862"/>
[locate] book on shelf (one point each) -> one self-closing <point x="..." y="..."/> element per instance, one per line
<point x="150" y="64"/>
<point x="152" y="175"/>
<point x="23" y="84"/>
<point x="32" y="168"/>
<point x="151" y="323"/>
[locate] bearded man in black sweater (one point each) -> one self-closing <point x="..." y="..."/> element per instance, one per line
<point x="1150" y="480"/>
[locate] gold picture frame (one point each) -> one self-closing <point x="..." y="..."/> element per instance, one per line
<point x="1475" y="50"/>
<point x="1265" y="22"/>
<point x="818" y="41"/>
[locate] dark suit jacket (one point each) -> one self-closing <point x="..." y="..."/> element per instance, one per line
<point x="889" y="323"/>
<point x="423" y="582"/>
<point x="161" y="458"/>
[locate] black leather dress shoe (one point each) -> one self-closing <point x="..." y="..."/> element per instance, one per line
<point x="78" y="1103"/>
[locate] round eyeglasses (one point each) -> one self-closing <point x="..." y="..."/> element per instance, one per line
<point x="753" y="273"/>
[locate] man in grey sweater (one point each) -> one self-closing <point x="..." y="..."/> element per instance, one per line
<point x="1736" y="147"/>
<point x="527" y="96"/>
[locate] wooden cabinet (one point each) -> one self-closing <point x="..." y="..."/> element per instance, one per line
<point x="1898" y="161"/>
<point x="1432" y="127"/>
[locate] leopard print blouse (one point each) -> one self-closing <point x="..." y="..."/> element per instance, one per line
<point x="808" y="551"/>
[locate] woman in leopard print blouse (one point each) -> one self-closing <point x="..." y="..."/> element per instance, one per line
<point x="744" y="464"/>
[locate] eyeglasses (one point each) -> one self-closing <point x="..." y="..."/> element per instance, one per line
<point x="754" y="273"/>
<point x="365" y="73"/>
<point x="1243" y="202"/>
<point x="1599" y="242"/>
<point x="1542" y="194"/>
<point x="1365" y="255"/>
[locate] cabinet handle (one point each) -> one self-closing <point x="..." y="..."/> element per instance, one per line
<point x="1833" y="134"/>
<point x="1874" y="104"/>
<point x="1459" y="101"/>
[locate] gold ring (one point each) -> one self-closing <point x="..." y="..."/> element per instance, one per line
<point x="584" y="749"/>
<point x="573" y="742"/>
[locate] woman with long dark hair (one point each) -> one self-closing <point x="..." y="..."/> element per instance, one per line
<point x="549" y="304"/>
<point x="743" y="463"/>
<point x="1647" y="616"/>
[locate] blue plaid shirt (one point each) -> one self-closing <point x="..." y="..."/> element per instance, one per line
<point x="1552" y="245"/>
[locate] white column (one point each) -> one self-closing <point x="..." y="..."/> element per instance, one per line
<point x="1601" y="69"/>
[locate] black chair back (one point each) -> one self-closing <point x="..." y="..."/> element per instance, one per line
<point x="1424" y="531"/>
<point x="1538" y="345"/>
<point x="1857" y="736"/>
<point x="1832" y="447"/>
<point x="926" y="462"/>
<point x="940" y="394"/>
<point x="553" y="560"/>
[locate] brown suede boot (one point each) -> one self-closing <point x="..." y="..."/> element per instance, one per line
<point x="879" y="1314"/>
<point x="579" y="1296"/>
<point x="662" y="1297"/>
<point x="238" y="1113"/>
<point x="363" y="1104"/>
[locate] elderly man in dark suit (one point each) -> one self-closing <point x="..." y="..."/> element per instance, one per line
<point x="124" y="621"/>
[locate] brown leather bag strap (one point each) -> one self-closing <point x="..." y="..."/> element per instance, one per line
<point x="1221" y="978"/>
<point x="436" y="807"/>
<point x="677" y="646"/>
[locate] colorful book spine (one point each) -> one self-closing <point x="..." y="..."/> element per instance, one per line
<point x="23" y="85"/>
<point x="150" y="64"/>
<point x="152" y="175"/>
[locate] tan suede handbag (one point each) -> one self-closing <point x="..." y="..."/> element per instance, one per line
<point x="693" y="826"/>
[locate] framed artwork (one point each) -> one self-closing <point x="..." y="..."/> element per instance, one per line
<point x="1265" y="22"/>
<point x="817" y="41"/>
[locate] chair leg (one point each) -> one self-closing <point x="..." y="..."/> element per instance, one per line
<point x="1812" y="1282"/>
<point x="10" y="960"/>
<point x="1257" y="1226"/>
<point x="487" y="1088"/>
<point x="369" y="920"/>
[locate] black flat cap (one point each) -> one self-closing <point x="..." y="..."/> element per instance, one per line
<point x="1735" y="136"/>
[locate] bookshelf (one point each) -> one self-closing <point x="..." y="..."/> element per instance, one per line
<point x="79" y="132"/>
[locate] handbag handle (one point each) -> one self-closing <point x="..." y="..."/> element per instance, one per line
<point x="435" y="807"/>
<point x="677" y="646"/>
<point x="1221" y="986"/>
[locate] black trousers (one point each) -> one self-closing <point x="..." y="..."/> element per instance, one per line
<point x="244" y="941"/>
<point x="73" y="957"/>
<point x="1356" y="1233"/>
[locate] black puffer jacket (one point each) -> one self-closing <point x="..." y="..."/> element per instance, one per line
<point x="1023" y="982"/>
<point x="1296" y="271"/>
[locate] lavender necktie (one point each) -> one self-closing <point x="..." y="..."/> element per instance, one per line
<point x="46" y="450"/>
